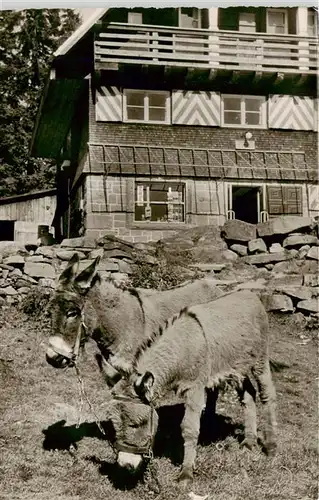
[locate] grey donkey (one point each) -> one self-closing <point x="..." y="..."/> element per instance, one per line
<point x="121" y="321"/>
<point x="225" y="339"/>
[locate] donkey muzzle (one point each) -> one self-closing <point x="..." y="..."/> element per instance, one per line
<point x="130" y="461"/>
<point x="59" y="354"/>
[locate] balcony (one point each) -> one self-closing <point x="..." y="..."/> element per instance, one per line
<point x="217" y="51"/>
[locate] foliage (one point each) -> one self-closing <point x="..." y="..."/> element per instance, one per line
<point x="36" y="302"/>
<point x="28" y="38"/>
<point x="161" y="276"/>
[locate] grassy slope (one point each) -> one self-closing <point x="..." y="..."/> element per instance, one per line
<point x="34" y="397"/>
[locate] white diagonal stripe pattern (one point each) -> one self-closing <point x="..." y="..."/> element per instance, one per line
<point x="108" y="104"/>
<point x="196" y="108"/>
<point x="291" y="112"/>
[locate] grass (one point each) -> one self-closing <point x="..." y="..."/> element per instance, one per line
<point x="44" y="456"/>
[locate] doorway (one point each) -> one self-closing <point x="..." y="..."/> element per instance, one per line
<point x="6" y="230"/>
<point x="246" y="203"/>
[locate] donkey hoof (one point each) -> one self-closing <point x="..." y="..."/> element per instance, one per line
<point x="185" y="479"/>
<point x="249" y="443"/>
<point x="271" y="449"/>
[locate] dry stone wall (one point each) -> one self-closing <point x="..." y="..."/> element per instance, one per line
<point x="279" y="259"/>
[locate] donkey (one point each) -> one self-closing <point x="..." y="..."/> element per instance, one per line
<point x="121" y="321"/>
<point x="204" y="345"/>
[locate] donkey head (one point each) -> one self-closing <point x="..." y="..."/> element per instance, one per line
<point x="67" y="312"/>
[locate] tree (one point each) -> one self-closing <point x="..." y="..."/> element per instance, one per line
<point x="28" y="39"/>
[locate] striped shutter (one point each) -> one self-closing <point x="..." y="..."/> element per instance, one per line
<point x="195" y="108"/>
<point x="108" y="107"/>
<point x="291" y="112"/>
<point x="284" y="200"/>
<point x="313" y="197"/>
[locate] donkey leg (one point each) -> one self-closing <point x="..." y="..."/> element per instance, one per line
<point x="267" y="393"/>
<point x="248" y="399"/>
<point x="195" y="402"/>
<point x="211" y="401"/>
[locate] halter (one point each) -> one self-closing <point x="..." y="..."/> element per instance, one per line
<point x="146" y="451"/>
<point x="74" y="353"/>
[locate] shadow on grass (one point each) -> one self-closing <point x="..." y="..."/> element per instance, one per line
<point x="59" y="436"/>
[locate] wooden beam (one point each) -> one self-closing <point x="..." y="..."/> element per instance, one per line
<point x="105" y="66"/>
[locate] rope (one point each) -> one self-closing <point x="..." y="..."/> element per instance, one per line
<point x="83" y="395"/>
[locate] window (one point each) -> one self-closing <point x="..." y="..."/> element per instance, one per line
<point x="243" y="111"/>
<point x="146" y="106"/>
<point x="277" y="21"/>
<point x="312" y="23"/>
<point x="247" y="22"/>
<point x="135" y="18"/>
<point x="6" y="230"/>
<point x="189" y="17"/>
<point x="159" y="202"/>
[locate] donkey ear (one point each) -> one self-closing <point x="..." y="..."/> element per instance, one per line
<point x="85" y="278"/>
<point x="144" y="386"/>
<point x="70" y="271"/>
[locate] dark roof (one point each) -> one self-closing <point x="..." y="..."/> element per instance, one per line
<point x="27" y="196"/>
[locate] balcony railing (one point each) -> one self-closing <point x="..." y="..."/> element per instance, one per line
<point x="205" y="49"/>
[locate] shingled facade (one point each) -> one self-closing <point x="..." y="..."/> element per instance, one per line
<point x="166" y="118"/>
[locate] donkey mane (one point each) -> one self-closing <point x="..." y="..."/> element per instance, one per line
<point x="157" y="334"/>
<point x="131" y="290"/>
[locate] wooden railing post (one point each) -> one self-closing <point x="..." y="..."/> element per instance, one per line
<point x="302" y="30"/>
<point x="213" y="39"/>
<point x="154" y="44"/>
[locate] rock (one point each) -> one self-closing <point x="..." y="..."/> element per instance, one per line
<point x="310" y="306"/>
<point x="8" y="248"/>
<point x="301" y="293"/>
<point x="229" y="255"/>
<point x="239" y="249"/>
<point x="5" y="273"/>
<point x="116" y="254"/>
<point x="315" y="291"/>
<point x="10" y="299"/>
<point x="262" y="259"/>
<point x="257" y="246"/>
<point x="46" y="251"/>
<point x="209" y="267"/>
<point x="108" y="265"/>
<point x="298" y="240"/>
<point x="39" y="270"/>
<point x="6" y="267"/>
<point x="21" y="282"/>
<point x="237" y="230"/>
<point x="282" y="280"/>
<point x="124" y="267"/>
<point x="2" y="301"/>
<point x="313" y="253"/>
<point x="16" y="273"/>
<point x="46" y="283"/>
<point x="35" y="258"/>
<point x="67" y="254"/>
<point x="269" y="267"/>
<point x="9" y="290"/>
<point x="104" y="274"/>
<point x="275" y="248"/>
<point x="14" y="260"/>
<point x="293" y="252"/>
<point x="278" y="302"/>
<point x="24" y="289"/>
<point x="303" y="251"/>
<point x="283" y="225"/>
<point x="311" y="280"/>
<point x="83" y="241"/>
<point x="97" y="252"/>
<point x="296" y="266"/>
<point x="120" y="277"/>
<point x="259" y="284"/>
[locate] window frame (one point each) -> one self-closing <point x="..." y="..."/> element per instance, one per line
<point x="263" y="109"/>
<point x="167" y="108"/>
<point x="147" y="183"/>
<point x="282" y="11"/>
<point x="312" y="13"/>
<point x="132" y="14"/>
<point x="198" y="19"/>
<point x="243" y="24"/>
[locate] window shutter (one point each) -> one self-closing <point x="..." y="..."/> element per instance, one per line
<point x="108" y="107"/>
<point x="291" y="112"/>
<point x="284" y="200"/>
<point x="196" y="108"/>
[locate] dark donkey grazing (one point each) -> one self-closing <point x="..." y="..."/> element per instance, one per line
<point x="121" y="321"/>
<point x="226" y="339"/>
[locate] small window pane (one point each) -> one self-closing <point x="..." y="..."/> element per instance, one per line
<point x="252" y="104"/>
<point x="135" y="18"/>
<point x="135" y="113"/>
<point x="231" y="118"/>
<point x="158" y="100"/>
<point x="156" y="195"/>
<point x="157" y="114"/>
<point x="252" y="119"/>
<point x="135" y="98"/>
<point x="232" y="103"/>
